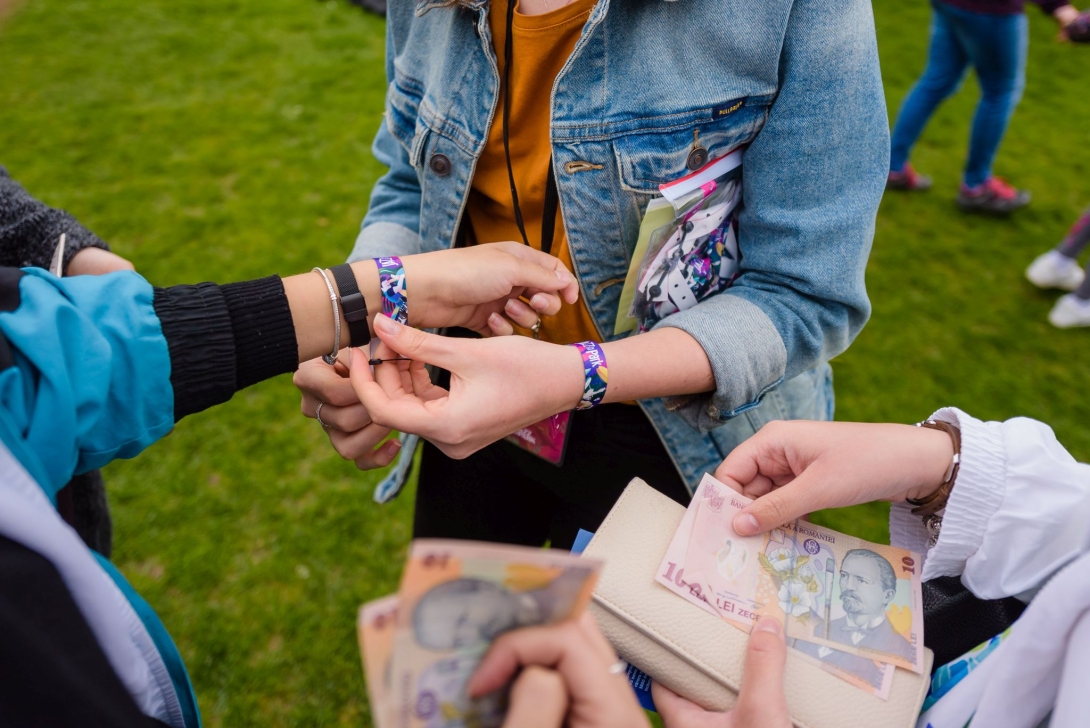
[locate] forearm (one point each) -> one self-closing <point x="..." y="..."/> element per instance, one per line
<point x="665" y="362"/>
<point x="30" y="229"/>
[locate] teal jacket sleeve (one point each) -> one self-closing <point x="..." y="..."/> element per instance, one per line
<point x="86" y="374"/>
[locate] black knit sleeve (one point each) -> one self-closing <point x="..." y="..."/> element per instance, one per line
<point x="224" y="338"/>
<point x="29" y="229"/>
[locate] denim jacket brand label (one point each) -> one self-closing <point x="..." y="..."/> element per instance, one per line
<point x="718" y="112"/>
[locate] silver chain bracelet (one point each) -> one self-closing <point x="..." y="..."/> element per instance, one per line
<point x="331" y="359"/>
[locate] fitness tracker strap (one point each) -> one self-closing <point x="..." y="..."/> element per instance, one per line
<point x="353" y="304"/>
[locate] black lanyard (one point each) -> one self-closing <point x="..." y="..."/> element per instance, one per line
<point x="552" y="198"/>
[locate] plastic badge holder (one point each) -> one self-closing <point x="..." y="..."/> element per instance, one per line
<point x="696" y="255"/>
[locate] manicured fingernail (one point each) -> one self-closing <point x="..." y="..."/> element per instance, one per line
<point x="563" y="275"/>
<point x="768" y="624"/>
<point x="495" y="320"/>
<point x="395" y="445"/>
<point x="539" y="301"/>
<point x="386" y="325"/>
<point x="511" y="307"/>
<point x="351" y="354"/>
<point x="745" y="524"/>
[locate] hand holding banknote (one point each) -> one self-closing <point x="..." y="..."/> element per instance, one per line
<point x="565" y="678"/>
<point x="795" y="468"/>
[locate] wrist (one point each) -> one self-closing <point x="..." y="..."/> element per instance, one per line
<point x="935" y="451"/>
<point x="366" y="273"/>
<point x="569" y="390"/>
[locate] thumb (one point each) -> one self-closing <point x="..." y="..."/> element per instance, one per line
<point x="415" y="344"/>
<point x="762" y="702"/>
<point x="801" y="496"/>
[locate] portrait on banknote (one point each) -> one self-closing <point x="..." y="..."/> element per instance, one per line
<point x="455" y="599"/>
<point x="839" y="592"/>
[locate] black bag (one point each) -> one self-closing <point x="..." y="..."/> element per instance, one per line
<point x="955" y="621"/>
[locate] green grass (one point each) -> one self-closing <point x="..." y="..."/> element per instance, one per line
<point x="230" y="140"/>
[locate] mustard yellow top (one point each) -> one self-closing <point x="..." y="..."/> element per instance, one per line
<point x="542" y="45"/>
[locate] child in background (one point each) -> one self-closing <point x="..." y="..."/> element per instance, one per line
<point x="1059" y="268"/>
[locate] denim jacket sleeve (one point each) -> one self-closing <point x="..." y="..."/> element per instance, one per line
<point x="392" y="223"/>
<point x="812" y="181"/>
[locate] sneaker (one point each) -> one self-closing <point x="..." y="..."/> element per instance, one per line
<point x="908" y="180"/>
<point x="1070" y="311"/>
<point x="1055" y="270"/>
<point x="993" y="196"/>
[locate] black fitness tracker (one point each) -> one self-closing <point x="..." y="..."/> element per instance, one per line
<point x="353" y="304"/>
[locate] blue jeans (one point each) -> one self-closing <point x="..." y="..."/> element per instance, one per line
<point x="995" y="45"/>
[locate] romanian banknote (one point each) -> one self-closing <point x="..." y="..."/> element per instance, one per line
<point x="843" y="593"/>
<point x="375" y="627"/>
<point x="456" y="597"/>
<point x="742" y="579"/>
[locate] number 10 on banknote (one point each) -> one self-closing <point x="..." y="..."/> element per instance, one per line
<point x="830" y="590"/>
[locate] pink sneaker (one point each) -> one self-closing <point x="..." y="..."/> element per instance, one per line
<point x="993" y="196"/>
<point x="908" y="180"/>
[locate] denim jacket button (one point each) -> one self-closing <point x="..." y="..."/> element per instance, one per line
<point x="440" y="164"/>
<point x="697" y="159"/>
<point x="713" y="411"/>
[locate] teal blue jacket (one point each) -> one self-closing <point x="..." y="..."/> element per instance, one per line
<point x="85" y="377"/>
<point x="98" y="368"/>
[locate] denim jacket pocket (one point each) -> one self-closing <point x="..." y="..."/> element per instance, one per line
<point x="403" y="101"/>
<point x="671" y="147"/>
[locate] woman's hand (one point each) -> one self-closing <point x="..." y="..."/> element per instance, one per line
<point x="346" y="421"/>
<point x="761" y="704"/>
<point x="497" y="385"/>
<point x="475" y="287"/>
<point x="561" y="677"/>
<point x="794" y="468"/>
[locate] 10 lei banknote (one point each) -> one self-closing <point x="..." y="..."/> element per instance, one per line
<point x="456" y="598"/>
<point x="849" y="604"/>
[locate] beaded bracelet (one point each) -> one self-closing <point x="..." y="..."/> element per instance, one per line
<point x="595" y="373"/>
<point x="391" y="282"/>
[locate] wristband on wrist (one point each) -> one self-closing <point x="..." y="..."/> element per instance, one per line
<point x="595" y="374"/>
<point x="352" y="304"/>
<point x="391" y="282"/>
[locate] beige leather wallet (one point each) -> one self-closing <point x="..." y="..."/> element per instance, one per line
<point x="698" y="655"/>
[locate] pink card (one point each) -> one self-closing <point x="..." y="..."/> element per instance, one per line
<point x="546" y="439"/>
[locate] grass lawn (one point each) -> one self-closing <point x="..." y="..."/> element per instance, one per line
<point x="226" y="140"/>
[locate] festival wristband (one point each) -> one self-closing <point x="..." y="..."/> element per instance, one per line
<point x="595" y="373"/>
<point x="391" y="283"/>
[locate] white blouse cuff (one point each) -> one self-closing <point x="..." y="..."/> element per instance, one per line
<point x="977" y="494"/>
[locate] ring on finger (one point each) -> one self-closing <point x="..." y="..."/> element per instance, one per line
<point x="536" y="328"/>
<point x="318" y="415"/>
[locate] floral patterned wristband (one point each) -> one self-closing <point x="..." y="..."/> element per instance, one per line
<point x="595" y="372"/>
<point x="391" y="283"/>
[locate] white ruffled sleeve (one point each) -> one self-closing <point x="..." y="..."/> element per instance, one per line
<point x="1019" y="511"/>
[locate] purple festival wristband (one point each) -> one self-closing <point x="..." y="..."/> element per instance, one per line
<point x="595" y="374"/>
<point x="391" y="284"/>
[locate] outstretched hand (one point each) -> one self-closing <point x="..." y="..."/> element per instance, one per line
<point x="497" y="385"/>
<point x="795" y="468"/>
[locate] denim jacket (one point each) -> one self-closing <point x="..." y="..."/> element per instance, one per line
<point x="649" y="83"/>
